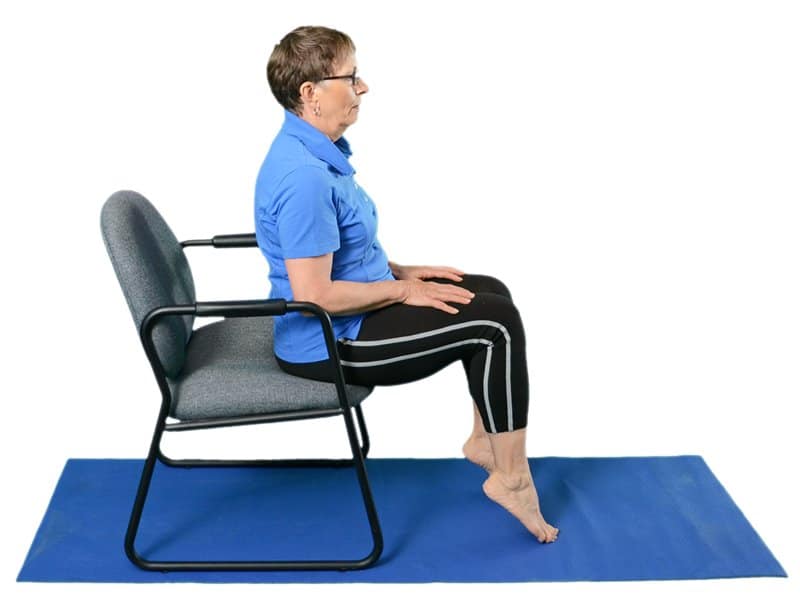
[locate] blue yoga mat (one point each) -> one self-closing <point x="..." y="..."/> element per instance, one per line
<point x="620" y="518"/>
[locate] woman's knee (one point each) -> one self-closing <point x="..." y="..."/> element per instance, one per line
<point x="498" y="309"/>
<point x="486" y="283"/>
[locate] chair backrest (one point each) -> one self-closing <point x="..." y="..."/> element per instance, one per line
<point x="152" y="270"/>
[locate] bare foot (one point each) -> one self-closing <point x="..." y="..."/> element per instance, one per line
<point x="479" y="451"/>
<point x="517" y="494"/>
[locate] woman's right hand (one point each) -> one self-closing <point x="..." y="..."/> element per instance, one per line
<point x="428" y="293"/>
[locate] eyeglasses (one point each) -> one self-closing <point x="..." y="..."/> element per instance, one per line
<point x="354" y="79"/>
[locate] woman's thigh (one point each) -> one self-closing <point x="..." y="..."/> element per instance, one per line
<point x="401" y="343"/>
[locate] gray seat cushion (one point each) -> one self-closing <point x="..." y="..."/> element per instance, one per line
<point x="230" y="371"/>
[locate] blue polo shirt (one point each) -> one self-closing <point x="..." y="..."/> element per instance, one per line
<point x="308" y="204"/>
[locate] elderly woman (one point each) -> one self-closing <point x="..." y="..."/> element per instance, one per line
<point x="394" y="324"/>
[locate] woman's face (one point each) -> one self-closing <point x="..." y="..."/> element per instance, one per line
<point x="337" y="100"/>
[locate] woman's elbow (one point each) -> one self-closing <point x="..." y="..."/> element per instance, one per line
<point x="318" y="296"/>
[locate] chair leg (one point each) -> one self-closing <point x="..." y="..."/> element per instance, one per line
<point x="362" y="426"/>
<point x="141" y="494"/>
<point x="317" y="565"/>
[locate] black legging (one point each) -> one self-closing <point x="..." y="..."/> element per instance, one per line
<point x="401" y="343"/>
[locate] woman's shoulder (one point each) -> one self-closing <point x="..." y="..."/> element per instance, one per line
<point x="289" y="155"/>
<point x="284" y="182"/>
<point x="283" y="164"/>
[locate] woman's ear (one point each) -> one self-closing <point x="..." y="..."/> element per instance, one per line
<point x="308" y="92"/>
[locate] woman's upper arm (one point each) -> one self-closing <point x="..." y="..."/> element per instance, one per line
<point x="309" y="277"/>
<point x="306" y="218"/>
<point x="307" y="231"/>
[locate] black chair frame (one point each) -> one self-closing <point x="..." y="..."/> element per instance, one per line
<point x="237" y="309"/>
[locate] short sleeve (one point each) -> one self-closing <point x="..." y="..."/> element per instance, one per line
<point x="306" y="214"/>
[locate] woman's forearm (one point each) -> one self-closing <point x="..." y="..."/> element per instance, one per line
<point x="342" y="298"/>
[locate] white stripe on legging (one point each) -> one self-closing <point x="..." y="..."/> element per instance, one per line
<point x="486" y="390"/>
<point x="424" y="334"/>
<point x="488" y="362"/>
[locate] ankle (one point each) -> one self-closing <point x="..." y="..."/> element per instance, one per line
<point x="512" y="480"/>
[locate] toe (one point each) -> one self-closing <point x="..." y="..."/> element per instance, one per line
<point x="552" y="534"/>
<point x="543" y="536"/>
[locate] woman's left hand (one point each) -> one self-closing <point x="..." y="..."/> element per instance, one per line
<point x="420" y="272"/>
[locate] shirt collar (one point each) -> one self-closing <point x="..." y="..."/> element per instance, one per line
<point x="319" y="144"/>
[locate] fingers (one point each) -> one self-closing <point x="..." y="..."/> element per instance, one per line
<point x="450" y="273"/>
<point x="437" y="295"/>
<point x="446" y="308"/>
<point x="450" y="293"/>
<point x="454" y="293"/>
<point x="459" y="299"/>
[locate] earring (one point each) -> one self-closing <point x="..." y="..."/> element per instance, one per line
<point x="317" y="111"/>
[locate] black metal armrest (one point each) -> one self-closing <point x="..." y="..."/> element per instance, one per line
<point x="231" y="240"/>
<point x="236" y="308"/>
<point x="241" y="308"/>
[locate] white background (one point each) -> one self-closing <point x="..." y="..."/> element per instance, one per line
<point x="629" y="169"/>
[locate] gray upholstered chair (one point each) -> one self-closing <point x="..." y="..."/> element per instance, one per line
<point x="222" y="374"/>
